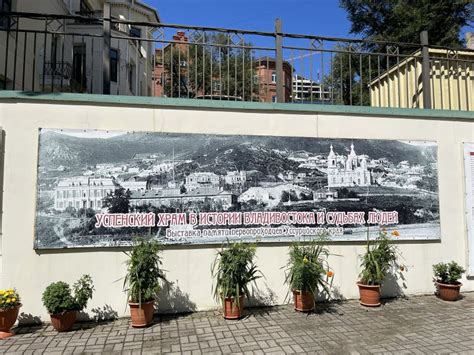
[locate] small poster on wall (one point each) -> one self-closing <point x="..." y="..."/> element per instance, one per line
<point x="102" y="188"/>
<point x="469" y="188"/>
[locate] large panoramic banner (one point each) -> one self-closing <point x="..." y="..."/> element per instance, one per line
<point x="102" y="188"/>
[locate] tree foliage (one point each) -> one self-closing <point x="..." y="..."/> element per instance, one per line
<point x="353" y="65"/>
<point x="118" y="201"/>
<point x="403" y="20"/>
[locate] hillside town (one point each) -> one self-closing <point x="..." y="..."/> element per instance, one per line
<point x="234" y="189"/>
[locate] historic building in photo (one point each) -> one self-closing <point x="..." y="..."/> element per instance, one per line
<point x="83" y="192"/>
<point x="202" y="180"/>
<point x="350" y="171"/>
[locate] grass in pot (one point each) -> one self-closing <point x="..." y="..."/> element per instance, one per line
<point x="380" y="257"/>
<point x="308" y="273"/>
<point x="143" y="280"/>
<point x="233" y="270"/>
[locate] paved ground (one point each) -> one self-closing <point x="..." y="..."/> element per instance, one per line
<point x="414" y="326"/>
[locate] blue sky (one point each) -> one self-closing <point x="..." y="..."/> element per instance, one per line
<point x="317" y="17"/>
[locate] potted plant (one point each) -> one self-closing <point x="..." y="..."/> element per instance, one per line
<point x="233" y="270"/>
<point x="307" y="273"/>
<point x="446" y="280"/>
<point x="9" y="308"/>
<point x="143" y="281"/>
<point x="379" y="258"/>
<point x="63" y="305"/>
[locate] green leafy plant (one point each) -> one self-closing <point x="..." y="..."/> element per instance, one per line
<point x="448" y="273"/>
<point x="379" y="258"/>
<point x="233" y="269"/>
<point x="308" y="269"/>
<point x="144" y="273"/>
<point x="58" y="296"/>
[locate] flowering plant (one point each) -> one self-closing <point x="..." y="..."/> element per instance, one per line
<point x="9" y="298"/>
<point x="380" y="257"/>
<point x="307" y="268"/>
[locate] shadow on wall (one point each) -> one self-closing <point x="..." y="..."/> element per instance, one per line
<point x="336" y="294"/>
<point x="104" y="313"/>
<point x="99" y="314"/>
<point x="28" y="319"/>
<point x="260" y="298"/>
<point x="172" y="299"/>
<point x="394" y="285"/>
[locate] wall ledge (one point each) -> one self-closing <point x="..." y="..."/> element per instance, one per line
<point x="7" y="96"/>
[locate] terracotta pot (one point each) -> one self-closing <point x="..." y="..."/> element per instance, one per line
<point x="141" y="315"/>
<point x="231" y="309"/>
<point x="369" y="295"/>
<point x="304" y="301"/>
<point x="7" y="319"/>
<point x="63" y="321"/>
<point x="448" y="292"/>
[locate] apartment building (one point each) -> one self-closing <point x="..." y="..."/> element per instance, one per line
<point x="308" y="91"/>
<point x="69" y="58"/>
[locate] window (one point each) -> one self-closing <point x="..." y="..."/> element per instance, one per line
<point x="113" y="65"/>
<point x="274" y="77"/>
<point x="79" y="67"/>
<point x="5" y="6"/>
<point x="135" y="32"/>
<point x="216" y="86"/>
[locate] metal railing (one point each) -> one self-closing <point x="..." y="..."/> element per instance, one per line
<point x="104" y="55"/>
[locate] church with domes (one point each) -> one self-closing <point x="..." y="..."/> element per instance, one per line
<point x="347" y="171"/>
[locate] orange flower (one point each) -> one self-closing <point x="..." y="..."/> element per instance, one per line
<point x="395" y="233"/>
<point x="330" y="273"/>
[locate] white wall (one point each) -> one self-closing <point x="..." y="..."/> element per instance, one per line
<point x="30" y="272"/>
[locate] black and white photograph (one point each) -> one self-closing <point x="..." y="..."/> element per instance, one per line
<point x="88" y="177"/>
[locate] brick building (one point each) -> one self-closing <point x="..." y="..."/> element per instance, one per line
<point x="266" y="77"/>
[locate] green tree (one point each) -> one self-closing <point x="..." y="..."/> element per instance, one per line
<point x="403" y="20"/>
<point x="350" y="76"/>
<point x="354" y="65"/>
